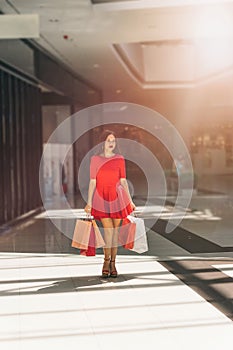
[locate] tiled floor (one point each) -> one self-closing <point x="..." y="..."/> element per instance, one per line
<point x="227" y="269"/>
<point x="169" y="297"/>
<point x="58" y="301"/>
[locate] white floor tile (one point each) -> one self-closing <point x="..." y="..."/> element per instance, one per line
<point x="60" y="301"/>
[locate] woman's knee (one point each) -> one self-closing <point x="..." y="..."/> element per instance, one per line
<point x="116" y="223"/>
<point x="107" y="223"/>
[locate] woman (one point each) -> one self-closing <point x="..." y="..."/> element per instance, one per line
<point x="109" y="199"/>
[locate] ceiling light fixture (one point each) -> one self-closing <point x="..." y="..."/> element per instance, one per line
<point x="53" y="20"/>
<point x="19" y="26"/>
<point x="123" y="5"/>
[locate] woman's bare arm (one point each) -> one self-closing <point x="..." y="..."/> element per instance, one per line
<point x="91" y="189"/>
<point x="124" y="183"/>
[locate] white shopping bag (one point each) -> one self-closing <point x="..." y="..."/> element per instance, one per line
<point x="140" y="240"/>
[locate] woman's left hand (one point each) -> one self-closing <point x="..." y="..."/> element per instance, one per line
<point x="133" y="206"/>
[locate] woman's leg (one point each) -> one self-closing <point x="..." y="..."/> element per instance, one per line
<point x="116" y="224"/>
<point x="108" y="237"/>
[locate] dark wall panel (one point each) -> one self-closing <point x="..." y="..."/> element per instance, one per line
<point x="20" y="146"/>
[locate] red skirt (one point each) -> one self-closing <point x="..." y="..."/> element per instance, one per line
<point x="111" y="202"/>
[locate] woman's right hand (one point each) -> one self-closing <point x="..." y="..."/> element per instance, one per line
<point x="87" y="209"/>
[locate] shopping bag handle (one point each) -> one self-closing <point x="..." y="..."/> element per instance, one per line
<point x="134" y="214"/>
<point x="85" y="217"/>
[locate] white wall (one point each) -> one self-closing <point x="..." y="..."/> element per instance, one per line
<point x="54" y="155"/>
<point x="53" y="116"/>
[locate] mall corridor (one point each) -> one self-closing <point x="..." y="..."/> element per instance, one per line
<point x="157" y="74"/>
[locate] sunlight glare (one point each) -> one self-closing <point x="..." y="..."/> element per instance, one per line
<point x="214" y="22"/>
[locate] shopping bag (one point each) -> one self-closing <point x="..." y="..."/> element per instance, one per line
<point x="87" y="237"/>
<point x="81" y="234"/>
<point x="99" y="241"/>
<point x="90" y="250"/>
<point x="140" y="239"/>
<point x="127" y="234"/>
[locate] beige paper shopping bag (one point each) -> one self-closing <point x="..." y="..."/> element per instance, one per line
<point x="81" y="234"/>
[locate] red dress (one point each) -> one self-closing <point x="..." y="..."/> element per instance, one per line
<point x="110" y="199"/>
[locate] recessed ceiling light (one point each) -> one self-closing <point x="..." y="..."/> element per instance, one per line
<point x="118" y="91"/>
<point x="96" y="65"/>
